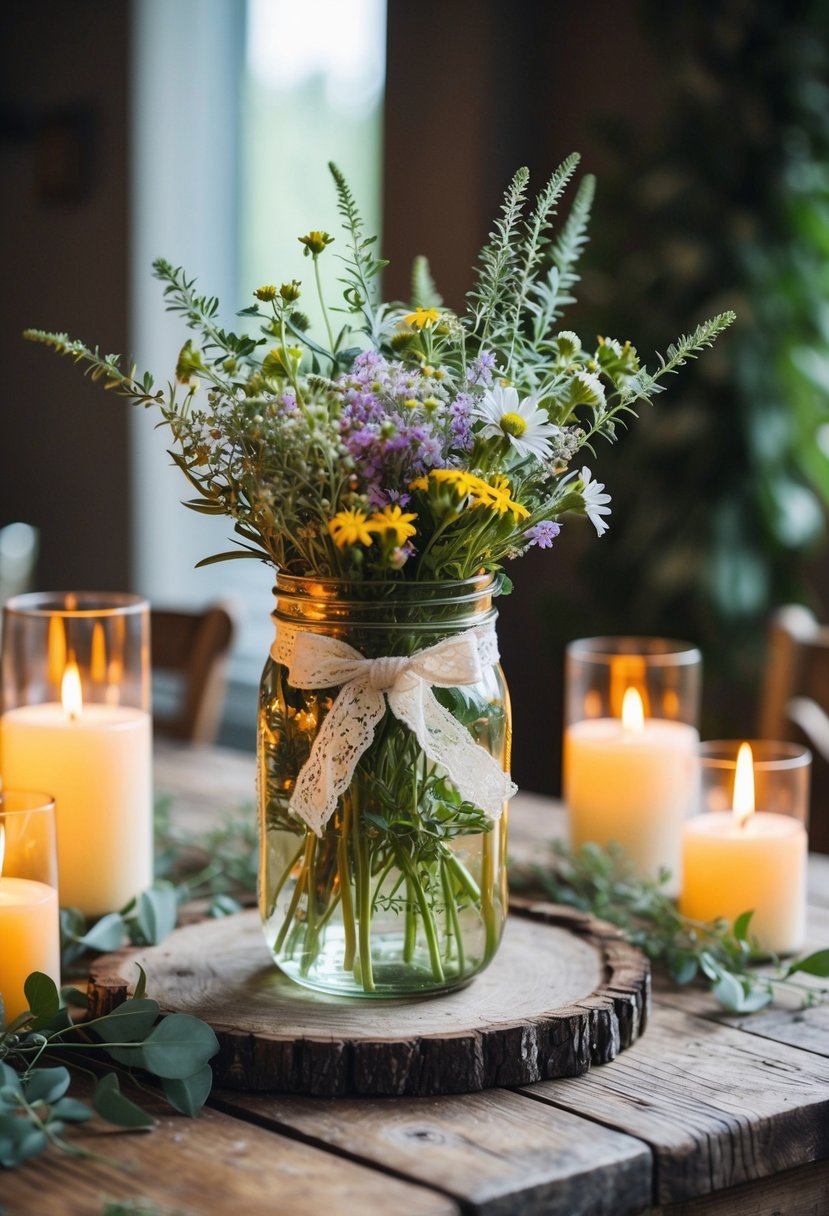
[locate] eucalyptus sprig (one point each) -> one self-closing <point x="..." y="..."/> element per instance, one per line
<point x="604" y="883"/>
<point x="35" y="1108"/>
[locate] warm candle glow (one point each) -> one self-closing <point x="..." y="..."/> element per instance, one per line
<point x="56" y="643"/>
<point x="2" y="847"/>
<point x="98" y="655"/>
<point x="633" y="712"/>
<point x="70" y="690"/>
<point x="743" y="800"/>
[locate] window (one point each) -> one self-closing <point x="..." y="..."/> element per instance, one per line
<point x="236" y="112"/>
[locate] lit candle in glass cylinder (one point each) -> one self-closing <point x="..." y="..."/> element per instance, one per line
<point x="737" y="858"/>
<point x="77" y="722"/>
<point x="630" y="743"/>
<point x="29" y="925"/>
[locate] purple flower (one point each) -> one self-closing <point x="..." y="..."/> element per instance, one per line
<point x="480" y="369"/>
<point x="543" y="534"/>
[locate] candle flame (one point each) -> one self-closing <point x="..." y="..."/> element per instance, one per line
<point x="633" y="712"/>
<point x="70" y="690"/>
<point x="743" y="801"/>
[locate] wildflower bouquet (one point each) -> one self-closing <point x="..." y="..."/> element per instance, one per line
<point x="387" y="470"/>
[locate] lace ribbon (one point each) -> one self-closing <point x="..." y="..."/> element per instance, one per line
<point x="315" y="660"/>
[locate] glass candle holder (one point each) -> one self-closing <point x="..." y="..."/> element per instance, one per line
<point x="29" y="922"/>
<point x="746" y="850"/>
<point x="76" y="722"/>
<point x="630" y="747"/>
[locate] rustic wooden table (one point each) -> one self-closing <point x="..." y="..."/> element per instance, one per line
<point x="707" y="1114"/>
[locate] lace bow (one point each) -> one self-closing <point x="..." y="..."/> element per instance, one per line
<point x="315" y="660"/>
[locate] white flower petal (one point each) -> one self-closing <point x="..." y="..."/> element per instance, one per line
<point x="595" y="502"/>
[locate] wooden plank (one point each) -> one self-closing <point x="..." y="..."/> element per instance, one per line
<point x="717" y="1106"/>
<point x="212" y="1164"/>
<point x="564" y="992"/>
<point x="800" y="1192"/>
<point x="497" y="1153"/>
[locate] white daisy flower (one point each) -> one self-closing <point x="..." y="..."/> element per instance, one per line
<point x="595" y="502"/>
<point x="523" y="423"/>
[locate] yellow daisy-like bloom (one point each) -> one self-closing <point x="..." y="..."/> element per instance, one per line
<point x="350" y="528"/>
<point x="423" y="318"/>
<point x="461" y="482"/>
<point x="498" y="496"/>
<point x="394" y="521"/>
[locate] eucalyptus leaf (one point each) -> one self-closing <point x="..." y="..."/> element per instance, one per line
<point x="72" y="1111"/>
<point x="141" y="986"/>
<point x="116" y="1108"/>
<point x="812" y="964"/>
<point x="224" y="905"/>
<point x="19" y="1141"/>
<point x="46" y="1084"/>
<point x="189" y="1094"/>
<point x="178" y="1047"/>
<point x="129" y="1022"/>
<point x="44" y="999"/>
<point x="157" y="913"/>
<point x="8" y="1077"/>
<point x="106" y="934"/>
<point x="729" y="992"/>
<point x="741" y="925"/>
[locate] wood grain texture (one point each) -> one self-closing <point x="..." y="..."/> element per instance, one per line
<point x="801" y="1192"/>
<point x="498" y="1153"/>
<point x="717" y="1106"/>
<point x="209" y="1166"/>
<point x="564" y="992"/>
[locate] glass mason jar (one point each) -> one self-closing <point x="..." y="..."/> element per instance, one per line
<point x="404" y="892"/>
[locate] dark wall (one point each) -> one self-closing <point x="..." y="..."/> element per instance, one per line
<point x="63" y="220"/>
<point x="492" y="87"/>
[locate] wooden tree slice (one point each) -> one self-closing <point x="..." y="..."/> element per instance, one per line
<point x="565" y="991"/>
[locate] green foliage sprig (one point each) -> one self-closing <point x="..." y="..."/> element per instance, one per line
<point x="35" y="1108"/>
<point x="603" y="882"/>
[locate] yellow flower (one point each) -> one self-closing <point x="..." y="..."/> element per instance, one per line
<point x="498" y="496"/>
<point x="461" y="482"/>
<point x="315" y="242"/>
<point x="423" y="318"/>
<point x="350" y="528"/>
<point x="395" y="521"/>
<point x="266" y="293"/>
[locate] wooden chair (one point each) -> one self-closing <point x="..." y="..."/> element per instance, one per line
<point x="795" y="701"/>
<point x="189" y="659"/>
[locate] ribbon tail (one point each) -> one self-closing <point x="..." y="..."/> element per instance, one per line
<point x="346" y="732"/>
<point x="477" y="775"/>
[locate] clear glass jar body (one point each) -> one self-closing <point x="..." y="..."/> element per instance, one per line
<point x="404" y="893"/>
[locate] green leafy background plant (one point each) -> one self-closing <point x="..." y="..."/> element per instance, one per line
<point x="720" y="494"/>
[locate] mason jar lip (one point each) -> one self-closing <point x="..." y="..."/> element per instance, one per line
<point x="76" y="604"/>
<point x="768" y="755"/>
<point x="658" y="651"/>
<point x="485" y="581"/>
<point x="378" y="594"/>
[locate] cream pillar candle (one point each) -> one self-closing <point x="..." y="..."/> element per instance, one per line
<point x="633" y="781"/>
<point x="97" y="763"/>
<point x="29" y="938"/>
<point x="741" y="860"/>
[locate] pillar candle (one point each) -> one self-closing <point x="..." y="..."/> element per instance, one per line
<point x="29" y="938"/>
<point x="97" y="764"/>
<point x="631" y="783"/>
<point x="741" y="860"/>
